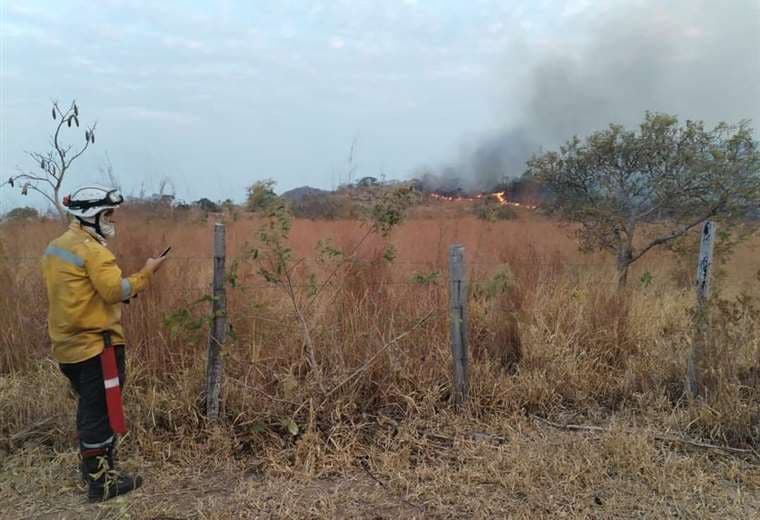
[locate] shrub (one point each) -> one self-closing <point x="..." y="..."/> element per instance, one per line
<point x="324" y="207"/>
<point x="260" y="195"/>
<point x="207" y="205"/>
<point x="25" y="213"/>
<point x="493" y="211"/>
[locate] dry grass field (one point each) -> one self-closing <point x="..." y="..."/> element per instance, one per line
<point x="374" y="435"/>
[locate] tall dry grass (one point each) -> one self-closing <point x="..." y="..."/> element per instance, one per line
<point x="550" y="337"/>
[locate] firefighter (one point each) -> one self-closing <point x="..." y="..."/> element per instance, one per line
<point x="85" y="290"/>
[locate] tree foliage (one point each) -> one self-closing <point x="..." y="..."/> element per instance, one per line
<point x="281" y="267"/>
<point x="25" y="213"/>
<point x="368" y="182"/>
<point x="261" y="195"/>
<point x="670" y="176"/>
<point x="207" y="205"/>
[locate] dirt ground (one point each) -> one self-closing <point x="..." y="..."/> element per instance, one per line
<point x="526" y="470"/>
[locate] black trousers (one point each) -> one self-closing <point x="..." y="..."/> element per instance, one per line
<point x="86" y="379"/>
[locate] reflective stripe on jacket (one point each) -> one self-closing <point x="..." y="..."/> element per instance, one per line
<point x="85" y="289"/>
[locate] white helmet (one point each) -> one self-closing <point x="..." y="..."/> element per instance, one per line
<point x="88" y="203"/>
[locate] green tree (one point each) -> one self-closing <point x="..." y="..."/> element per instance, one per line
<point x="367" y="182"/>
<point x="280" y="266"/>
<point x="633" y="191"/>
<point x="25" y="213"/>
<point x="261" y="195"/>
<point x="207" y="205"/>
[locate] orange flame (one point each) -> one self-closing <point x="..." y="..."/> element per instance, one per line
<point x="500" y="196"/>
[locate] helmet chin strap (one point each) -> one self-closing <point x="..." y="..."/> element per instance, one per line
<point x="107" y="228"/>
<point x="102" y="232"/>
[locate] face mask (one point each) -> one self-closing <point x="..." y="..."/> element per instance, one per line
<point x="107" y="228"/>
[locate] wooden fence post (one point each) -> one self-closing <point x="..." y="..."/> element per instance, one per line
<point x="458" y="318"/>
<point x="218" y="330"/>
<point x="695" y="369"/>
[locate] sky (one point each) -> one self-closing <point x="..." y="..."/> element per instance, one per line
<point x="696" y="59"/>
<point x="215" y="95"/>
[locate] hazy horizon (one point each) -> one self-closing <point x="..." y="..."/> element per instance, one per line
<point x="216" y="95"/>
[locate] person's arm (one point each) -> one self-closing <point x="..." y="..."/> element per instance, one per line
<point x="107" y="278"/>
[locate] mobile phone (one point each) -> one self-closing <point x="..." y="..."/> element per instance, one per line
<point x="166" y="251"/>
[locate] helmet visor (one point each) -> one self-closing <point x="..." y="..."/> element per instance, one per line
<point x="111" y="199"/>
<point x="114" y="197"/>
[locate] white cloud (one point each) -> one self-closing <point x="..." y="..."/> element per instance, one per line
<point x="178" y="42"/>
<point x="81" y="61"/>
<point x="139" y="113"/>
<point x="146" y="63"/>
<point x="337" y="43"/>
<point x="9" y="74"/>
<point x="25" y="10"/>
<point x="29" y="33"/>
<point x="576" y="7"/>
<point x="496" y="28"/>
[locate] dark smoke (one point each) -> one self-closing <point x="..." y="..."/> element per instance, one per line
<point x="697" y="59"/>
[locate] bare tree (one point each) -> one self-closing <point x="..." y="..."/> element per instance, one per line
<point x="53" y="165"/>
<point x="108" y="174"/>
<point x="351" y="159"/>
<point x="634" y="191"/>
<point x="166" y="187"/>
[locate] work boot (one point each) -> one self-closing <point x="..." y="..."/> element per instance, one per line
<point x="99" y="449"/>
<point x="84" y="449"/>
<point x="103" y="480"/>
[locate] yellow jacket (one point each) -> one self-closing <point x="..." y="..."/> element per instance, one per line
<point x="85" y="290"/>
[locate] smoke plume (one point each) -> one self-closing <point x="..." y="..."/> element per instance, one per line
<point x="697" y="59"/>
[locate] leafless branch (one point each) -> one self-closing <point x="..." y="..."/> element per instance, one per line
<point x="260" y="391"/>
<point x="374" y="356"/>
<point x="658" y="436"/>
<point x="56" y="145"/>
<point x="32" y="177"/>
<point x="55" y="162"/>
<point x="78" y="154"/>
<point x="334" y="272"/>
<point x="672" y="236"/>
<point x="41" y="192"/>
<point x="308" y="342"/>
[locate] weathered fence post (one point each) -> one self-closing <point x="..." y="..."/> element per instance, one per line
<point x="218" y="328"/>
<point x="695" y="369"/>
<point x="458" y="318"/>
